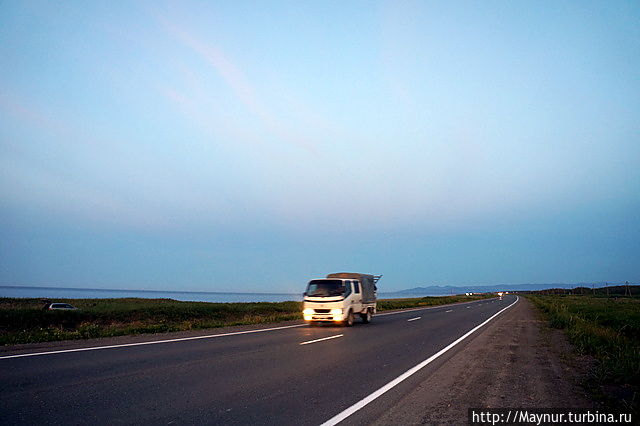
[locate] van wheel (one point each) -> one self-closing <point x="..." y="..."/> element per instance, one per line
<point x="348" y="322"/>
<point x="366" y="318"/>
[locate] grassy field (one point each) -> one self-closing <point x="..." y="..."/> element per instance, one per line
<point x="24" y="320"/>
<point x="609" y="330"/>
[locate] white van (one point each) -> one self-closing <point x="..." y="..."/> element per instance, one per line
<point x="340" y="297"/>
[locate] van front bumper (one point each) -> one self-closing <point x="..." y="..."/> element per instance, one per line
<point x="324" y="318"/>
<point x="312" y="315"/>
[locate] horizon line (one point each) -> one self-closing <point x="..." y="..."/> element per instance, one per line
<point x="286" y="293"/>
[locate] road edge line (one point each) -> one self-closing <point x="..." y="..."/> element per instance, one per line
<point x="365" y="401"/>
<point x="154" y="342"/>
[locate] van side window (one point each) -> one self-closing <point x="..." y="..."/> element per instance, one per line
<point x="356" y="286"/>
<point x="347" y="289"/>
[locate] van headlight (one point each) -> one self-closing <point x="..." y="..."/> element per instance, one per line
<point x="307" y="312"/>
<point x="337" y="311"/>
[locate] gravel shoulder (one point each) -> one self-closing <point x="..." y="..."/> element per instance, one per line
<point x="516" y="361"/>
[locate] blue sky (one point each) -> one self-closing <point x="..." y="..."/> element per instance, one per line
<point x="251" y="146"/>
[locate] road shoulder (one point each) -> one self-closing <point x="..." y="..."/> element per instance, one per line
<point x="514" y="362"/>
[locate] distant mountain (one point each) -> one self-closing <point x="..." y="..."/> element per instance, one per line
<point x="448" y="289"/>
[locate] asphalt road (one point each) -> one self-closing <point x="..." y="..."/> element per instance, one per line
<point x="255" y="378"/>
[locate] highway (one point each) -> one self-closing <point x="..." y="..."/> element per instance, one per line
<point x="296" y="374"/>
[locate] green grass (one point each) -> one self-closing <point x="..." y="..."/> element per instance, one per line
<point x="607" y="329"/>
<point x="24" y="321"/>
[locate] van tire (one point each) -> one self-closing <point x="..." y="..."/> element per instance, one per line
<point x="366" y="318"/>
<point x="348" y="322"/>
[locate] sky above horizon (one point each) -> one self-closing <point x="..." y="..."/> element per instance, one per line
<point x="252" y="146"/>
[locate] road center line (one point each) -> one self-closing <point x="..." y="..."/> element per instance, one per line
<point x="414" y="319"/>
<point x="404" y="311"/>
<point x="324" y="338"/>
<point x="95" y="348"/>
<point x="363" y="402"/>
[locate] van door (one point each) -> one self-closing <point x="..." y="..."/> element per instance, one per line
<point x="357" y="297"/>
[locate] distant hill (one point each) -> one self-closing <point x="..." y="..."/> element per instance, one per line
<point x="448" y="289"/>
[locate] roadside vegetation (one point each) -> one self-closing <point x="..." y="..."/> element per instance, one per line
<point x="607" y="328"/>
<point x="24" y="320"/>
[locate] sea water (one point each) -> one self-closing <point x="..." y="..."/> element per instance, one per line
<point x="194" y="296"/>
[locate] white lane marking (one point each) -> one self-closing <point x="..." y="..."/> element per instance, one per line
<point x="422" y="309"/>
<point x="450" y="310"/>
<point x="360" y="404"/>
<point x="468" y="307"/>
<point x="95" y="348"/>
<point x="414" y="319"/>
<point x="324" y="338"/>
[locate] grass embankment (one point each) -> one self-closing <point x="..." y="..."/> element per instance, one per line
<point x="607" y="329"/>
<point x="24" y="321"/>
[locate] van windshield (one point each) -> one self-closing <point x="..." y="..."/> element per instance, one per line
<point x="324" y="288"/>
